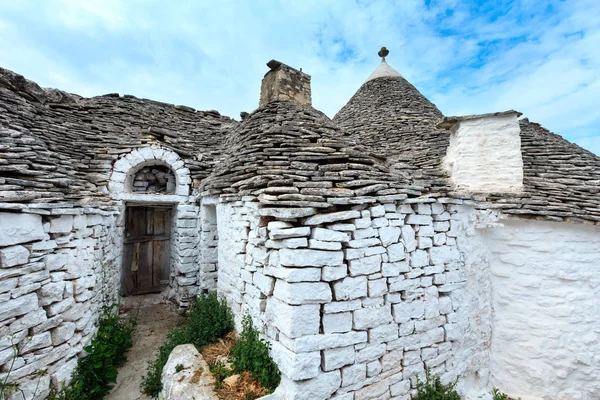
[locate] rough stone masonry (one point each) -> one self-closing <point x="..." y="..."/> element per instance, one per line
<point x="366" y="248"/>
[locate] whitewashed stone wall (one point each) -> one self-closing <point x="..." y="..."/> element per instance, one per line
<point x="209" y="245"/>
<point x="546" y="298"/>
<point x="484" y="153"/>
<point x="239" y="259"/>
<point x="355" y="303"/>
<point x="185" y="236"/>
<point x="56" y="267"/>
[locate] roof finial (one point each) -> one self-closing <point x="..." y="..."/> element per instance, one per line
<point x="383" y="53"/>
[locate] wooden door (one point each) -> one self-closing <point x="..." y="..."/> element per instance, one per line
<point x="147" y="252"/>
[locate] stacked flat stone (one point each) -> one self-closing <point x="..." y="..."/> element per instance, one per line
<point x="294" y="156"/>
<point x="155" y="179"/>
<point x="76" y="140"/>
<point x="388" y="113"/>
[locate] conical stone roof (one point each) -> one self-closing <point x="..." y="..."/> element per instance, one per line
<point x="294" y="156"/>
<point x="390" y="115"/>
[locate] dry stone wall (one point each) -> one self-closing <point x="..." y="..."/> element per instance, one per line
<point x="57" y="264"/>
<point x="355" y="302"/>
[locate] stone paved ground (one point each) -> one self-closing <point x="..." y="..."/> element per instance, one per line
<point x="154" y="321"/>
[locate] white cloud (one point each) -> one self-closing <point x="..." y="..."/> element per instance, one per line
<point x="209" y="55"/>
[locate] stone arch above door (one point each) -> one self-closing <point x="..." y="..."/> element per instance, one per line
<point x="126" y="166"/>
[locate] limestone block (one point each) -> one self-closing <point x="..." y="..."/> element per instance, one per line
<point x="320" y="245"/>
<point x="278" y="225"/>
<point x="29" y="320"/>
<point x="294" y="321"/>
<point x="371" y="352"/>
<point x="419" y="258"/>
<point x="185" y="385"/>
<point x="63" y="373"/>
<point x="264" y="283"/>
<point x="334" y="273"/>
<point x="377" y="287"/>
<point x="364" y="233"/>
<point x="366" y="318"/>
<point x="354" y="374"/>
<point x="405" y="311"/>
<point x="358" y="243"/>
<point x="34" y="388"/>
<point x="35" y="342"/>
<point x="396" y="252"/>
<point x="445" y="305"/>
<point x="331" y="217"/>
<point x="350" y="288"/>
<point x="338" y="357"/>
<point x="440" y="255"/>
<point x="294" y="243"/>
<point x="20" y="228"/>
<point x="365" y="266"/>
<point x="302" y="293"/>
<point x="19" y="306"/>
<point x="296" y="366"/>
<point x="329" y="341"/>
<point x="62" y="333"/>
<point x="289" y="232"/>
<point x="394" y="268"/>
<point x="429" y="324"/>
<point x="13" y="255"/>
<point x="337" y="323"/>
<point x="43" y="245"/>
<point x="329" y="235"/>
<point x="342" y="306"/>
<point x="51" y="293"/>
<point x="6" y="355"/>
<point x="294" y="274"/>
<point x="362" y="223"/>
<point x="61" y="306"/>
<point x="287" y="213"/>
<point x="377" y="211"/>
<point x="309" y="258"/>
<point x="320" y="388"/>
<point x="426" y="230"/>
<point x="408" y="235"/>
<point x="62" y="224"/>
<point x="415" y="219"/>
<point x="389" y="235"/>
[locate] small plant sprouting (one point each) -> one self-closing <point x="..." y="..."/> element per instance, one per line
<point x="434" y="389"/>
<point x="251" y="353"/>
<point x="498" y="395"/>
<point x="208" y="318"/>
<point x="179" y="368"/>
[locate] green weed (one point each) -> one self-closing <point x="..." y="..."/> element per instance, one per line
<point x="433" y="389"/>
<point x="251" y="353"/>
<point x="97" y="371"/>
<point x="208" y="319"/>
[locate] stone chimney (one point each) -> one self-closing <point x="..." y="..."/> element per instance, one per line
<point x="284" y="83"/>
<point x="484" y="154"/>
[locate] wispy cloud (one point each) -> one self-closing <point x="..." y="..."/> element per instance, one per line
<point x="539" y="57"/>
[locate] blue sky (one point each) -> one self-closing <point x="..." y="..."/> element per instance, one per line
<point x="539" y="57"/>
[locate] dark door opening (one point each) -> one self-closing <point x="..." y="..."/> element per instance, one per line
<point x="147" y="249"/>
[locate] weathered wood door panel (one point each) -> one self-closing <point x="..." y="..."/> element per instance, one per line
<point x="147" y="252"/>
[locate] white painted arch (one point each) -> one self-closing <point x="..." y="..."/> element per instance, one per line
<point x="129" y="164"/>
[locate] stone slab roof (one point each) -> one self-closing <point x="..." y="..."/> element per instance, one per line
<point x="64" y="145"/>
<point x="561" y="180"/>
<point x="294" y="156"/>
<point x="390" y="115"/>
